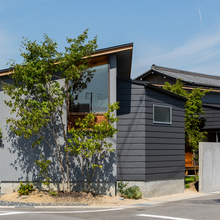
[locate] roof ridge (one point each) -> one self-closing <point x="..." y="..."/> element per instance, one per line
<point x="155" y="67"/>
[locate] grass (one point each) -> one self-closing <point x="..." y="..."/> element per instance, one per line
<point x="189" y="179"/>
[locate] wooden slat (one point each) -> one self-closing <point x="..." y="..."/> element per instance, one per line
<point x="188" y="159"/>
<point x="72" y="117"/>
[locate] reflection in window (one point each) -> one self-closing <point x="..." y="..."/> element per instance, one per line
<point x="162" y="114"/>
<point x="95" y="97"/>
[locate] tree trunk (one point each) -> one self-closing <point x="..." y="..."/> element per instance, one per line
<point x="194" y="164"/>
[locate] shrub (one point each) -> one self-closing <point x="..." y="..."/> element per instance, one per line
<point x="133" y="192"/>
<point x="25" y="189"/>
<point x="121" y="187"/>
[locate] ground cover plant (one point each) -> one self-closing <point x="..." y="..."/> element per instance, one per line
<point x="190" y="179"/>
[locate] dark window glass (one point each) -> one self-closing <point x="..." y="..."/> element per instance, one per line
<point x="162" y="114"/>
<point x="95" y="97"/>
<point x="211" y="136"/>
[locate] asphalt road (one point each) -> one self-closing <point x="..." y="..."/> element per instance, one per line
<point x="205" y="207"/>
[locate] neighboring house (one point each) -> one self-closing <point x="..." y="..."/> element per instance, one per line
<point x="149" y="145"/>
<point x="158" y="75"/>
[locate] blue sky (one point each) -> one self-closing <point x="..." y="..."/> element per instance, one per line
<point x="182" y="34"/>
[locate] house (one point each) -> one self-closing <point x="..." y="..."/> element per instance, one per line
<point x="158" y="75"/>
<point x="149" y="147"/>
<point x="151" y="138"/>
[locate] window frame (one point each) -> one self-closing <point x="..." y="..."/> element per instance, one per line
<point x="161" y="122"/>
<point x="108" y="78"/>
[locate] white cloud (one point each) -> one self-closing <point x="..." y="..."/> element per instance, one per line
<point x="200" y="14"/>
<point x="196" y="52"/>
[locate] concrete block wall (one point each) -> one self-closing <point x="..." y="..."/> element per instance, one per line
<point x="158" y="188"/>
<point x="209" y="167"/>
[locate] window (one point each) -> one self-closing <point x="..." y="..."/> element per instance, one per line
<point x="213" y="136"/>
<point x="95" y="97"/>
<point x="162" y="114"/>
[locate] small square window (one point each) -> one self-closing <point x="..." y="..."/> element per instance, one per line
<point x="162" y="114"/>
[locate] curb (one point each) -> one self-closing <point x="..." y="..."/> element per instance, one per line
<point x="147" y="204"/>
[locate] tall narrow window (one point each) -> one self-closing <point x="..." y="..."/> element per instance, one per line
<point x="95" y="97"/>
<point x="162" y="114"/>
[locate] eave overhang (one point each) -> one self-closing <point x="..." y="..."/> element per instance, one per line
<point x="124" y="59"/>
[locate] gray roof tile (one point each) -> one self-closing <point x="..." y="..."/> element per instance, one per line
<point x="191" y="77"/>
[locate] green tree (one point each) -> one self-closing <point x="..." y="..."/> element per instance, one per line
<point x="89" y="142"/>
<point x="40" y="91"/>
<point x="193" y="112"/>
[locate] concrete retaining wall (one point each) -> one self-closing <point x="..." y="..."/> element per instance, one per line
<point x="209" y="167"/>
<point x="158" y="188"/>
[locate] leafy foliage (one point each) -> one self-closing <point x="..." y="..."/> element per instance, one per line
<point x="189" y="179"/>
<point x="133" y="192"/>
<point x="25" y="189"/>
<point x="193" y="112"/>
<point x="89" y="141"/>
<point x="53" y="193"/>
<point x="40" y="90"/>
<point x="121" y="187"/>
<point x="43" y="165"/>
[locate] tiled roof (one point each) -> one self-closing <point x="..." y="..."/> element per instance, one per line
<point x="190" y="77"/>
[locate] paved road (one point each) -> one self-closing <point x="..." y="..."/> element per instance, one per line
<point x="205" y="207"/>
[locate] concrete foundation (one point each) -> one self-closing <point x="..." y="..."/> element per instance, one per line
<point x="103" y="188"/>
<point x="159" y="187"/>
<point x="209" y="167"/>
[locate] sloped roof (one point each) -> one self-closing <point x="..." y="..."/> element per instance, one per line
<point x="124" y="59"/>
<point x="186" y="76"/>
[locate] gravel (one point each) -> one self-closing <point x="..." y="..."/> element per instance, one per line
<point x="29" y="204"/>
<point x="22" y="204"/>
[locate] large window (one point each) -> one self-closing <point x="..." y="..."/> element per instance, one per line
<point x="95" y="97"/>
<point x="162" y="114"/>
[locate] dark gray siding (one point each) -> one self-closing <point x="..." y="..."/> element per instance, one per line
<point x="165" y="143"/>
<point x="211" y="97"/>
<point x="148" y="151"/>
<point x="212" y="116"/>
<point x="131" y="135"/>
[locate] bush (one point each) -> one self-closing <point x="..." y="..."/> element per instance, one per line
<point x="121" y="187"/>
<point x="25" y="189"/>
<point x="133" y="192"/>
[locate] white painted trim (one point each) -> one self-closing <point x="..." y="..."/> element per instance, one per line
<point x="160" y="122"/>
